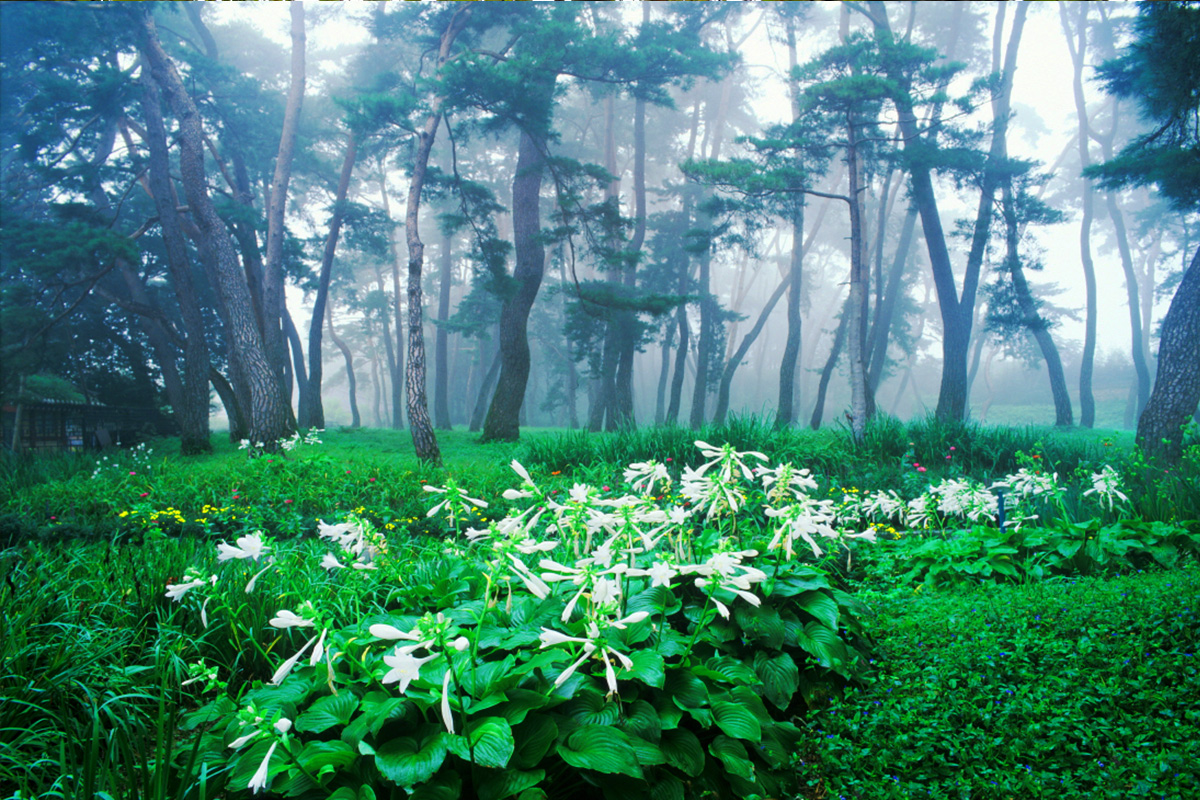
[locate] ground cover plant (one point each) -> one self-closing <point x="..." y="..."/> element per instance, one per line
<point x="1071" y="688"/>
<point x="356" y="623"/>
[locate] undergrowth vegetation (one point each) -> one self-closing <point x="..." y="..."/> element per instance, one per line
<point x="608" y="615"/>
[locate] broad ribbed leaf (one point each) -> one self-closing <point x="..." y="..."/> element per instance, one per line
<point x="519" y="702"/>
<point x="499" y="784"/>
<point x="749" y="698"/>
<point x="780" y="677"/>
<point x="590" y="707"/>
<point x="334" y="709"/>
<point x="823" y="644"/>
<point x="821" y="606"/>
<point x="732" y="754"/>
<point x="533" y="739"/>
<point x="760" y="624"/>
<point x="641" y="720"/>
<point x="685" y="689"/>
<point x="647" y="667"/>
<point x="737" y="721"/>
<point x="601" y="749"/>
<point x="316" y="756"/>
<point x="490" y="742"/>
<point x="652" y="601"/>
<point x="407" y="761"/>
<point x="666" y="787"/>
<point x="446" y="785"/>
<point x="731" y="670"/>
<point x="682" y="750"/>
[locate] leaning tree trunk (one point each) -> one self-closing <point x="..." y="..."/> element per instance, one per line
<point x="835" y="352"/>
<point x="193" y="416"/>
<point x="272" y="294"/>
<point x="1176" y="392"/>
<point x="744" y="346"/>
<point x="421" y="427"/>
<point x="270" y="417"/>
<point x="348" y="357"/>
<point x="441" y="385"/>
<point x="504" y="414"/>
<point x="312" y="411"/>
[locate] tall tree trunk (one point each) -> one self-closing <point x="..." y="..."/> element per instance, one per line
<point x="397" y="364"/>
<point x="835" y="352"/>
<point x="956" y="312"/>
<point x="629" y="334"/>
<point x="1033" y="321"/>
<point x="664" y="375"/>
<point x="347" y="356"/>
<point x="885" y="312"/>
<point x="441" y="385"/>
<point x="1087" y="402"/>
<point x="293" y="337"/>
<point x="858" y="289"/>
<point x="192" y="415"/>
<point x="270" y="417"/>
<point x="312" y="411"/>
<point x="791" y="349"/>
<point x="1177" y="384"/>
<point x="421" y="427"/>
<point x="680" y="367"/>
<point x="503" y="418"/>
<point x="479" y="412"/>
<point x="239" y="426"/>
<point x="748" y="340"/>
<point x="272" y="295"/>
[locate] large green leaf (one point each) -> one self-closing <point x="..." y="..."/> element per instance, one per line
<point x="652" y="601"/>
<point x="682" y="750"/>
<point x="446" y="785"/>
<point x="590" y="707"/>
<point x="601" y="749"/>
<point x="780" y="677"/>
<point x="749" y="698"/>
<point x="328" y="711"/>
<point x="729" y="670"/>
<point x="319" y="758"/>
<point x="519" y="702"/>
<point x="823" y="644"/>
<point x="803" y="580"/>
<point x="483" y="679"/>
<point x="737" y="720"/>
<point x="501" y="783"/>
<point x="533" y="739"/>
<point x="732" y="754"/>
<point x="685" y="689"/>
<point x="821" y="606"/>
<point x="666" y="786"/>
<point x="648" y="668"/>
<point x="641" y="720"/>
<point x="760" y="624"/>
<point x="407" y="760"/>
<point x="489" y="741"/>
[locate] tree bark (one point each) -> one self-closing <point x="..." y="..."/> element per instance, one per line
<point x="273" y="297"/>
<point x="835" y="352"/>
<point x="193" y="413"/>
<point x="858" y="289"/>
<point x="1173" y="402"/>
<point x="739" y="355"/>
<point x="312" y="411"/>
<point x="503" y="417"/>
<point x="270" y="417"/>
<point x="441" y="385"/>
<point x="351" y="378"/>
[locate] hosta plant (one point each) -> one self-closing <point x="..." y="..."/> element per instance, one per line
<point x="592" y="644"/>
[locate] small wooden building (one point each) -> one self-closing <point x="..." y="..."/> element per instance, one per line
<point x="50" y="425"/>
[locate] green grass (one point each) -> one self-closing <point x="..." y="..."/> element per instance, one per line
<point x="1086" y="688"/>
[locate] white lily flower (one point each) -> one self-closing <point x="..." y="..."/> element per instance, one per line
<point x="251" y="547"/>
<point x="405" y="667"/>
<point x="175" y="591"/>
<point x="520" y="470"/>
<point x="318" y="651"/>
<point x="260" y="779"/>
<point x="384" y="631"/>
<point x="257" y="575"/>
<point x="446" y="715"/>
<point x="245" y="739"/>
<point x="330" y="561"/>
<point x="533" y="583"/>
<point x="286" y="667"/>
<point x="283" y="725"/>
<point x="289" y="619"/>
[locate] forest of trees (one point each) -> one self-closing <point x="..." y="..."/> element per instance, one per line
<point x="598" y="215"/>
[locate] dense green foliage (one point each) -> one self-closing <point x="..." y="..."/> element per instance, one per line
<point x="109" y="686"/>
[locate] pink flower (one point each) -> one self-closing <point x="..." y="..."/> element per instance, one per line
<point x="370" y="480"/>
<point x="952" y="447"/>
<point x="131" y="472"/>
<point x="947" y="458"/>
<point x="144" y="494"/>
<point x="920" y="469"/>
<point x="287" y="501"/>
<point x="669" y="460"/>
<point x="915" y="464"/>
<point x="604" y="488"/>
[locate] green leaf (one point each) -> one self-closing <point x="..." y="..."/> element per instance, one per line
<point x="685" y="689"/>
<point x="490" y="740"/>
<point x="730" y="670"/>
<point x="805" y="579"/>
<point x="760" y="623"/>
<point x="328" y="711"/>
<point x="407" y="761"/>
<point x="533" y="739"/>
<point x="648" y="754"/>
<point x="488" y="677"/>
<point x="821" y="606"/>
<point x="682" y="750"/>
<point x="652" y="600"/>
<point x="737" y="721"/>
<point x="749" y="698"/>
<point x="780" y="677"/>
<point x="666" y="787"/>
<point x="499" y="784"/>
<point x="732" y="754"/>
<point x="648" y="668"/>
<point x="519" y="702"/>
<point x="641" y="720"/>
<point x="601" y="749"/>
<point x="378" y="708"/>
<point x="824" y="645"/>
<point x="589" y="707"/>
<point x="322" y="757"/>
<point x="446" y="785"/>
<point x="533" y="794"/>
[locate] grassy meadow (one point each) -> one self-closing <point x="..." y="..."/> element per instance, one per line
<point x="947" y="611"/>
